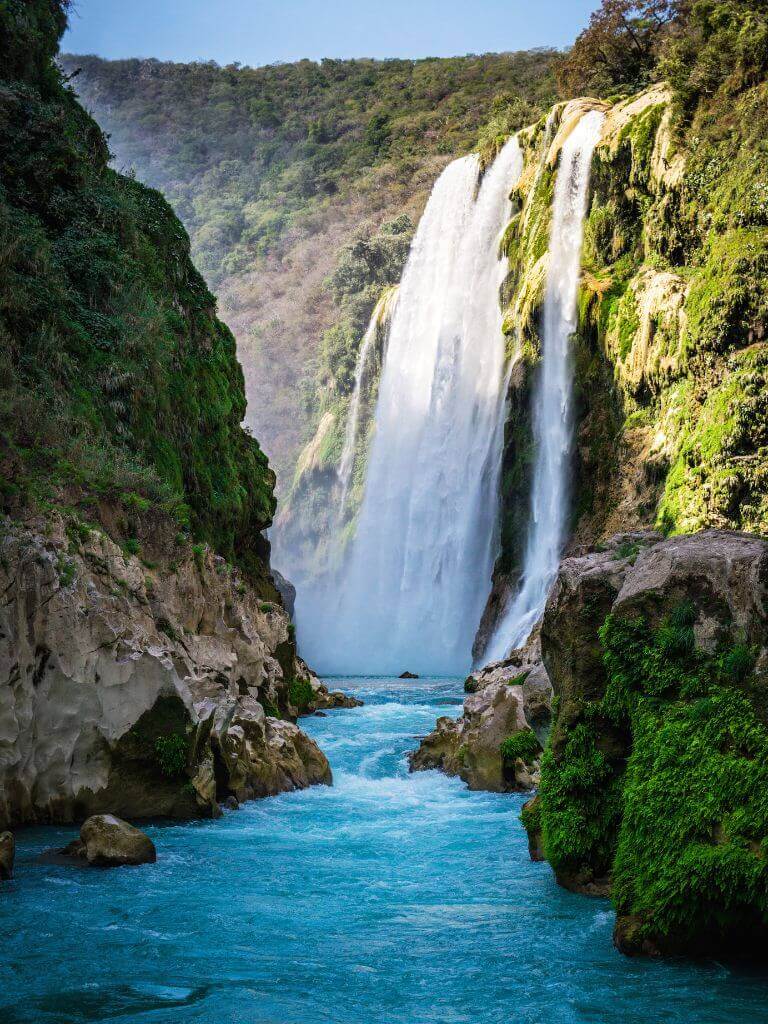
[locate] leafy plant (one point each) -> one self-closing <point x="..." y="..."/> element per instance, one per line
<point x="171" y="754"/>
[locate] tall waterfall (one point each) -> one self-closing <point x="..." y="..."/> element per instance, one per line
<point x="552" y="408"/>
<point x="382" y="312"/>
<point x="413" y="587"/>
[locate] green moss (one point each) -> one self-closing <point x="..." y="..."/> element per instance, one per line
<point x="116" y="379"/>
<point x="523" y="745"/>
<point x="681" y="823"/>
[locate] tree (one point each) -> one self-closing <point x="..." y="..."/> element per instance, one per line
<point x="620" y="47"/>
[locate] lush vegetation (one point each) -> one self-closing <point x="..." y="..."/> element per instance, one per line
<point x="696" y="45"/>
<point x="523" y="745"/>
<point x="277" y="172"/>
<point x="679" y="817"/>
<point x="117" y="382"/>
<point x="249" y="156"/>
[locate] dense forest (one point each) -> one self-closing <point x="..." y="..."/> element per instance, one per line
<point x="118" y="384"/>
<point x="283" y="172"/>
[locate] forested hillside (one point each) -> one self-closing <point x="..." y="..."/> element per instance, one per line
<point x="282" y="174"/>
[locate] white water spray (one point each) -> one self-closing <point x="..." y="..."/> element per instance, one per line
<point x="418" y="574"/>
<point x="552" y="409"/>
<point x="381" y="314"/>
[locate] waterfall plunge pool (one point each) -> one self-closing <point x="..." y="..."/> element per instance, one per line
<point x="387" y="899"/>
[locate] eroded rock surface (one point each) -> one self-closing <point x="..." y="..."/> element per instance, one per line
<point x="109" y="842"/>
<point x="142" y="686"/>
<point x="507" y="699"/>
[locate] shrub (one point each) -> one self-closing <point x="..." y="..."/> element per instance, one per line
<point x="171" y="754"/>
<point x="300" y="694"/>
<point x="523" y="745"/>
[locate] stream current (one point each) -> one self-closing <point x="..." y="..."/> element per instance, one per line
<point x="388" y="898"/>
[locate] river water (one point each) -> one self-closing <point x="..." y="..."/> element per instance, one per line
<point x="387" y="899"/>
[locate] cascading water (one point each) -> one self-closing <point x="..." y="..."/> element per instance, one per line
<point x="382" y="313"/>
<point x="413" y="587"/>
<point x="552" y="412"/>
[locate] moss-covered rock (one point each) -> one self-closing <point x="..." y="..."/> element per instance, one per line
<point x="654" y="780"/>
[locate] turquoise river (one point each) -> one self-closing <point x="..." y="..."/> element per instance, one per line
<point x="388" y="898"/>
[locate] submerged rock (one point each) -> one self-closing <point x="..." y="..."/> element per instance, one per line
<point x="144" y="692"/>
<point x="7" y="855"/>
<point x="109" y="842"/>
<point x="495" y="744"/>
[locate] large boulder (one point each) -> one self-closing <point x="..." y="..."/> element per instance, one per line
<point x="109" y="842"/>
<point x="496" y="742"/>
<point x="654" y="780"/>
<point x="151" y="685"/>
<point x="7" y="855"/>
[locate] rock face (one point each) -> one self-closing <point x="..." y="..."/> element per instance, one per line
<point x="7" y="856"/>
<point x="509" y="699"/>
<point x="152" y="686"/>
<point x="109" y="842"/>
<point x="653" y="783"/>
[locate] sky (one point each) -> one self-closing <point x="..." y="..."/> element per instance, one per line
<point x="265" y="31"/>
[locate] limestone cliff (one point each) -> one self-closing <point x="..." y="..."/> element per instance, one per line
<point x="147" y="666"/>
<point x="152" y="686"/>
<point x="670" y="354"/>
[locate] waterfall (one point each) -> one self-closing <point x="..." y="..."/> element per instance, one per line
<point x="412" y="589"/>
<point x="552" y="407"/>
<point x="381" y="314"/>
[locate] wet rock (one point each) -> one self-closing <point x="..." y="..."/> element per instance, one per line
<point x="231" y="803"/>
<point x="408" y="675"/>
<point x="109" y="842"/>
<point x="506" y="699"/>
<point x="286" y="590"/>
<point x="7" y="855"/>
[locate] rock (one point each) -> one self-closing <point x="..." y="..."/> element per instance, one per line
<point x="324" y="699"/>
<point x="139" y="692"/>
<point x="408" y="675"/>
<point x="109" y="842"/>
<point x="286" y="590"/>
<point x="530" y="817"/>
<point x="231" y="803"/>
<point x="7" y="855"/>
<point x="321" y="714"/>
<point x="698" y="606"/>
<point x="506" y="699"/>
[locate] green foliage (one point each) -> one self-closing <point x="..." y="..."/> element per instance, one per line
<point x="116" y="379"/>
<point x="171" y="754"/>
<point x="523" y="745"/>
<point x="628" y="549"/>
<point x="619" y="49"/>
<point x="251" y="156"/>
<point x="530" y="816"/>
<point x="682" y="824"/>
<point x="300" y="694"/>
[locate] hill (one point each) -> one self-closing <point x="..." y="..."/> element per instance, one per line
<point x="277" y="171"/>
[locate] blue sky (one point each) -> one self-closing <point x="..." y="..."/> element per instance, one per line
<point x="262" y="31"/>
